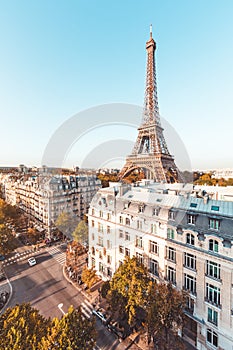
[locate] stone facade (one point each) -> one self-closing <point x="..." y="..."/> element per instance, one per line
<point x="44" y="198"/>
<point x="182" y="238"/>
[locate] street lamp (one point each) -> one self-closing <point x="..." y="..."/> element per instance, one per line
<point x="60" y="308"/>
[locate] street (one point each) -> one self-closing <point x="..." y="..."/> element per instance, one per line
<point x="44" y="286"/>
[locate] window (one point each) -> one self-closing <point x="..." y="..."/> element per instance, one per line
<point x="108" y="229"/>
<point x="92" y="211"/>
<point x="100" y="227"/>
<point x="190" y="239"/>
<point x="100" y="255"/>
<point x="190" y="261"/>
<point x="153" y="266"/>
<point x="191" y="219"/>
<point x="213" y="269"/>
<point x="92" y="223"/>
<point x="190" y="283"/>
<point x="100" y="214"/>
<point x="212" y="337"/>
<point x="215" y="207"/>
<point x="153" y="228"/>
<point x="193" y="205"/>
<point x="212" y="294"/>
<point x="170" y="233"/>
<point x="127" y="236"/>
<point x="214" y="224"/>
<point x="127" y="252"/>
<point x="93" y="251"/>
<point x="156" y="211"/>
<point x="109" y="245"/>
<point x="121" y="249"/>
<point x="141" y="208"/>
<point x="171" y="274"/>
<point x="153" y="248"/>
<point x="212" y="316"/>
<point x="213" y="245"/>
<point x="109" y="217"/>
<point x="171" y="254"/>
<point x="139" y="257"/>
<point x="139" y="243"/>
<point x="127" y="221"/>
<point x="171" y="215"/>
<point x="109" y="259"/>
<point x="93" y="262"/>
<point x="139" y="225"/>
<point x="93" y="236"/>
<point x="100" y="241"/>
<point x="121" y="220"/>
<point x="101" y="267"/>
<point x="189" y="304"/>
<point x="121" y="235"/>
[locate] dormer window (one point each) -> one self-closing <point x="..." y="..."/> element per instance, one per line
<point x="214" y="224"/>
<point x="213" y="245"/>
<point x="156" y="211"/>
<point x="191" y="219"/>
<point x="171" y="215"/>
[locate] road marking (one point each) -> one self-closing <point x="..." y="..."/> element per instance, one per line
<point x="57" y="254"/>
<point x="86" y="308"/>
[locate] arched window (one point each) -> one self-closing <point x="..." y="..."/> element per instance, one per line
<point x="190" y="239"/>
<point x="212" y="337"/>
<point x="121" y="220"/>
<point x="213" y="245"/>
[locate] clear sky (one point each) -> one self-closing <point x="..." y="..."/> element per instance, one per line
<point x="61" y="57"/>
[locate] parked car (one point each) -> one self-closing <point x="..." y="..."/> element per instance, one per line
<point x="115" y="328"/>
<point x="100" y="315"/>
<point x="2" y="257"/>
<point x="32" y="261"/>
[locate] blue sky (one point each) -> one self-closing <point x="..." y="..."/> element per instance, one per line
<point x="61" y="57"/>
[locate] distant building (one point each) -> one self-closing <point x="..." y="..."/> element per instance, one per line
<point x="223" y="174"/>
<point x="180" y="238"/>
<point x="44" y="198"/>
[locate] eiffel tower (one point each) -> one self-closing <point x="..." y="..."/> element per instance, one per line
<point x="150" y="153"/>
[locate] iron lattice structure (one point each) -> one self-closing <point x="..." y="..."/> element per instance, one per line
<point x="150" y="152"/>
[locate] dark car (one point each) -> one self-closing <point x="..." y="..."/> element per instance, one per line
<point x="2" y="257"/>
<point x="114" y="327"/>
<point x="99" y="313"/>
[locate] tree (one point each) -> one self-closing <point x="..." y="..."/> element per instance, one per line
<point x="80" y="234"/>
<point x="164" y="315"/>
<point x="104" y="289"/>
<point x="128" y="289"/>
<point x="66" y="223"/>
<point x="89" y="277"/>
<point x="22" y="327"/>
<point x="72" y="332"/>
<point x="7" y="241"/>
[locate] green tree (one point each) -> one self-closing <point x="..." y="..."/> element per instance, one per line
<point x="89" y="277"/>
<point x="72" y="332"/>
<point x="165" y="315"/>
<point x="22" y="327"/>
<point x="7" y="240"/>
<point x="128" y="289"/>
<point x="80" y="234"/>
<point x="66" y="223"/>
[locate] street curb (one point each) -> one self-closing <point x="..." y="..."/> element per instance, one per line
<point x="74" y="284"/>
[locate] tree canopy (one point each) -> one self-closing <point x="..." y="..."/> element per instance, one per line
<point x="72" y="332"/>
<point x="22" y="327"/>
<point x="80" y="234"/>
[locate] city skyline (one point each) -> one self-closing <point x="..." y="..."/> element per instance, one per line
<point x="60" y="59"/>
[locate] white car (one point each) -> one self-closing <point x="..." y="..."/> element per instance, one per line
<point x="32" y="261"/>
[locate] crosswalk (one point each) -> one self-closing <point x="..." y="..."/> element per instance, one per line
<point x="86" y="308"/>
<point x="18" y="257"/>
<point x="57" y="254"/>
